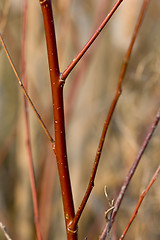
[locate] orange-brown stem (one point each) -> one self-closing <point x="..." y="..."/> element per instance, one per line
<point x="57" y="97"/>
<point x="91" y="40"/>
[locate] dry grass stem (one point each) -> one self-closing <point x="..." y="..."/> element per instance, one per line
<point x="140" y="202"/>
<point x="5" y="231"/>
<point x="25" y="92"/>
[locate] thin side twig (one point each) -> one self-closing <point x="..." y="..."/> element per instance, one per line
<point x="108" y="119"/>
<point x="89" y="43"/>
<point x="78" y="79"/>
<point x="25" y="92"/>
<point x="28" y="142"/>
<point x="135" y="164"/>
<point x="122" y="74"/>
<point x="5" y="231"/>
<point x="118" y="201"/>
<point x="140" y="202"/>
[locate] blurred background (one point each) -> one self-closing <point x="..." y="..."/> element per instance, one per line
<point x="88" y="93"/>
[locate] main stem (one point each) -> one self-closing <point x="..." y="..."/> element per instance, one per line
<point x="57" y="95"/>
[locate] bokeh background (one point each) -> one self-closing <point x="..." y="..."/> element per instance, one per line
<point x="88" y="93"/>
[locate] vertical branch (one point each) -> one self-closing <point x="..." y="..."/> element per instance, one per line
<point x="57" y="96"/>
<point x="28" y="144"/>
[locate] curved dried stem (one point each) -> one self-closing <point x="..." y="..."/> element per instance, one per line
<point x="25" y="92"/>
<point x="89" y="43"/>
<point x="140" y="201"/>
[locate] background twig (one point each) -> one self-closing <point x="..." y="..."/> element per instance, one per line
<point x="129" y="176"/>
<point x="28" y="143"/>
<point x="110" y="114"/>
<point x="24" y="91"/>
<point x="5" y="231"/>
<point x="140" y="201"/>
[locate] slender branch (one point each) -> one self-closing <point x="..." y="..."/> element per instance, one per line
<point x="135" y="164"/>
<point x="89" y="43"/>
<point x="57" y="96"/>
<point x="97" y="159"/>
<point x="130" y="174"/>
<point x="140" y="202"/>
<point x="28" y="143"/>
<point x="109" y="117"/>
<point x="78" y="78"/>
<point x="122" y="74"/>
<point x="25" y="92"/>
<point x="5" y="231"/>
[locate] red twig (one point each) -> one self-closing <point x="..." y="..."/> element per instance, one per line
<point x="140" y="201"/>
<point x="25" y="92"/>
<point x="28" y="144"/>
<point x="57" y="96"/>
<point x="89" y="43"/>
<point x="83" y="65"/>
